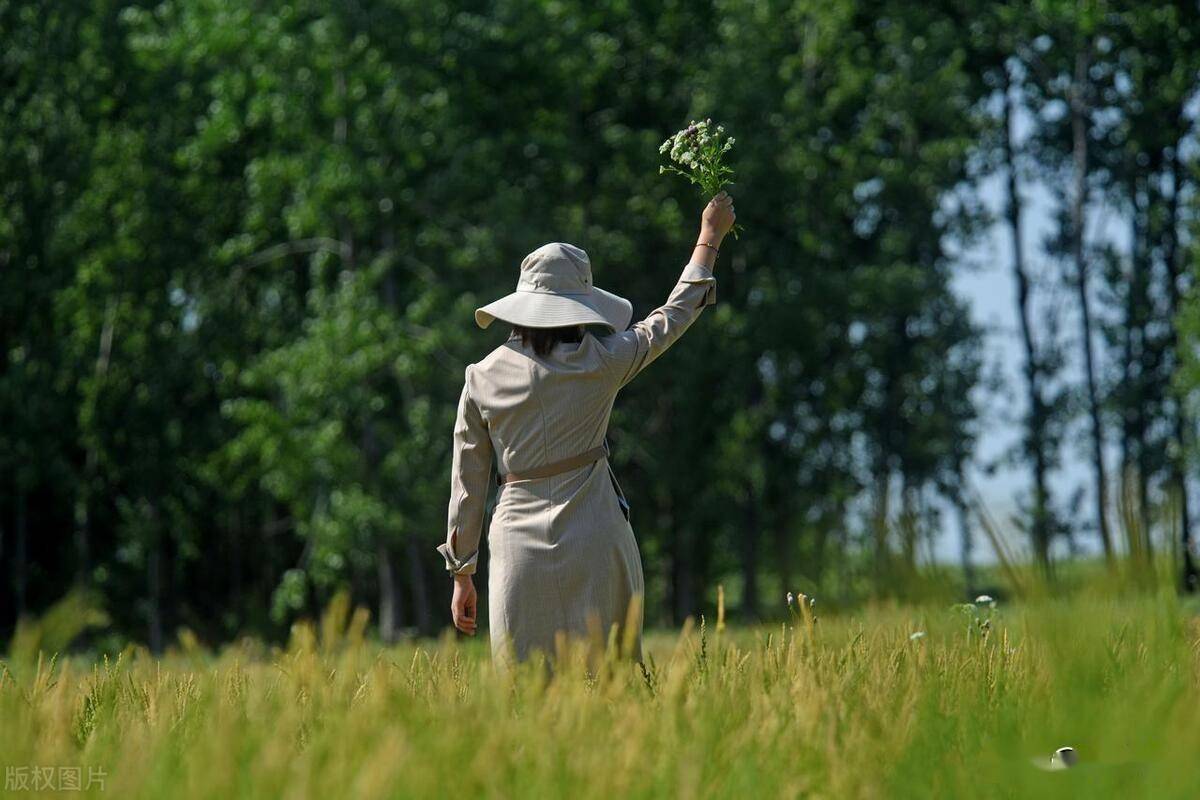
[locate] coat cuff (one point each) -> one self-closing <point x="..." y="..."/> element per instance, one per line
<point x="456" y="566"/>
<point x="695" y="274"/>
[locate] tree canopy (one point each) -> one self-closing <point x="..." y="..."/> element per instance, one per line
<point x="240" y="245"/>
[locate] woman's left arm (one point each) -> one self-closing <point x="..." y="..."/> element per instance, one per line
<point x="470" y="480"/>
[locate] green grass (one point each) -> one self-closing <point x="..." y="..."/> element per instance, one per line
<point x="852" y="707"/>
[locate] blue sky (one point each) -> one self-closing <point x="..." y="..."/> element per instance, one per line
<point x="983" y="276"/>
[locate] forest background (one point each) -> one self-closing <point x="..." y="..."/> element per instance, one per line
<point x="240" y="245"/>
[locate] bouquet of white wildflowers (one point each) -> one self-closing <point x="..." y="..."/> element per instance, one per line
<point x="698" y="153"/>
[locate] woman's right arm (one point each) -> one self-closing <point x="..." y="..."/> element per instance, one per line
<point x="633" y="350"/>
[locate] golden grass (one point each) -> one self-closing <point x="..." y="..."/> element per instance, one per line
<point x="851" y="707"/>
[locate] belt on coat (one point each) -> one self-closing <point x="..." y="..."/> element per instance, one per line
<point x="573" y="462"/>
<point x="555" y="467"/>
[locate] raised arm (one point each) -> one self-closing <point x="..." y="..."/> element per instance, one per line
<point x="715" y="222"/>
<point x="633" y="350"/>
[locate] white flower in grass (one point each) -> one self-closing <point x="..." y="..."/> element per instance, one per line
<point x="916" y="635"/>
<point x="985" y="600"/>
<point x="791" y="598"/>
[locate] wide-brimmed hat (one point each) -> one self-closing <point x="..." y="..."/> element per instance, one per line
<point x="555" y="289"/>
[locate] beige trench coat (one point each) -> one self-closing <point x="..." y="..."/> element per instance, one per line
<point x="562" y="554"/>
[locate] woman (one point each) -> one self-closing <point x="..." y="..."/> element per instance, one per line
<point x="563" y="557"/>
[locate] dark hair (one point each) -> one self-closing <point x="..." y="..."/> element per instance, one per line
<point x="544" y="339"/>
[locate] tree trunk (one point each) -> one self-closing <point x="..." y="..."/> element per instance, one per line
<point x="419" y="585"/>
<point x="157" y="562"/>
<point x="749" y="541"/>
<point x="882" y="501"/>
<point x="830" y="526"/>
<point x="1137" y="305"/>
<point x="1129" y="444"/>
<point x="154" y="587"/>
<point x="390" y="606"/>
<point x="83" y="526"/>
<point x="21" y="555"/>
<point x="1078" y="208"/>
<point x="83" y="500"/>
<point x="235" y="533"/>
<point x="1036" y="420"/>
<point x="909" y="525"/>
<point x="966" y="538"/>
<point x="784" y="533"/>
<point x="683" y="593"/>
<point x="1190" y="578"/>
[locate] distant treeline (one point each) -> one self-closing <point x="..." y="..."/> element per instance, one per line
<point x="240" y="244"/>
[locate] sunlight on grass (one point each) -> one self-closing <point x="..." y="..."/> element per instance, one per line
<point x="855" y="706"/>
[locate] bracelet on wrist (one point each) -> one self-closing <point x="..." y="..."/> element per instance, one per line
<point x="712" y="247"/>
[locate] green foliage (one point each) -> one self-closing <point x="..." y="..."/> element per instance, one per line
<point x="242" y="243"/>
<point x="263" y="230"/>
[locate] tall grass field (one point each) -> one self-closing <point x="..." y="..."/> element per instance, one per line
<point x="963" y="701"/>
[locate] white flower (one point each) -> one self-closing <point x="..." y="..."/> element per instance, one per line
<point x="916" y="635"/>
<point x="985" y="600"/>
<point x="791" y="598"/>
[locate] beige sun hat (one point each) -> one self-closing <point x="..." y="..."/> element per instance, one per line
<point x="555" y="289"/>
